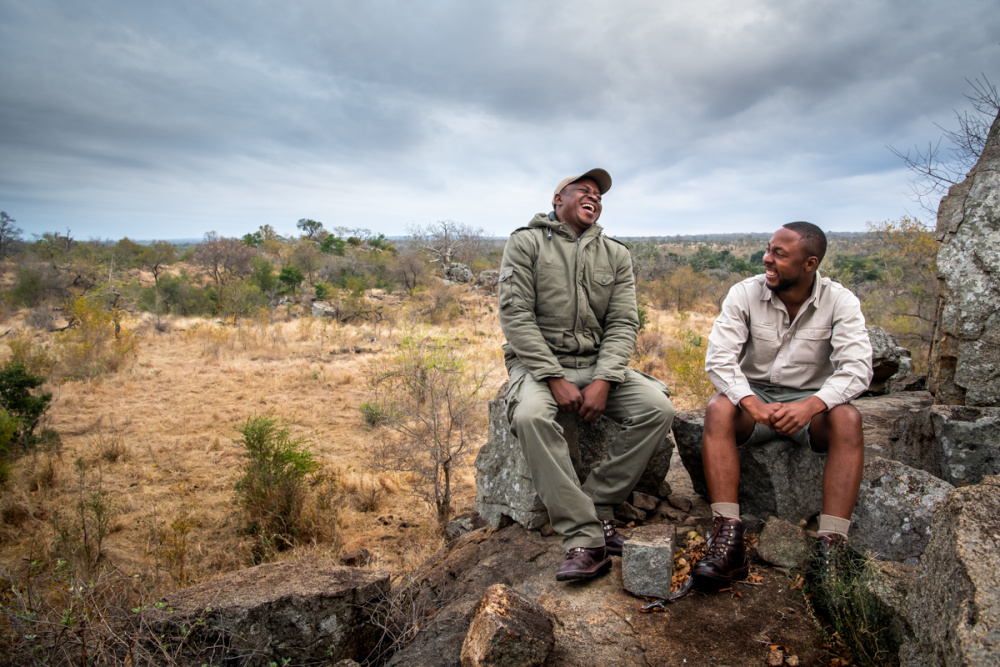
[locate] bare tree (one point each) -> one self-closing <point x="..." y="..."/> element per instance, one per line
<point x="430" y="398"/>
<point x="447" y="240"/>
<point x="936" y="169"/>
<point x="224" y="258"/>
<point x="10" y="236"/>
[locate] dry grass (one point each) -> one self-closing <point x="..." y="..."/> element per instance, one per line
<point x="159" y="437"/>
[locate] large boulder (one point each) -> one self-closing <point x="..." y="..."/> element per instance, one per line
<point x="459" y="273"/>
<point x="965" y="368"/>
<point x="890" y="361"/>
<point x="503" y="481"/>
<point x="291" y="611"/>
<point x="954" y="602"/>
<point x="488" y="279"/>
<point x="896" y="503"/>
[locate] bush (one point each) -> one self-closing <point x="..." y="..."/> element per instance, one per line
<point x="373" y="414"/>
<point x="17" y="399"/>
<point x="30" y="288"/>
<point x="842" y="594"/>
<point x="272" y="487"/>
<point x="96" y="343"/>
<point x="686" y="366"/>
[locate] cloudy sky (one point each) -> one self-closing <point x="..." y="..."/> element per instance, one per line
<point x="170" y="119"/>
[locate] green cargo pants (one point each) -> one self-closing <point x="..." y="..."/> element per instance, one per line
<point x="639" y="404"/>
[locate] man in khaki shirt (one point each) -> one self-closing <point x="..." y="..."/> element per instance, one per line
<point x="787" y="353"/>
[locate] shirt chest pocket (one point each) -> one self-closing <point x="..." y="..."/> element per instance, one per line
<point x="765" y="344"/>
<point x="810" y="346"/>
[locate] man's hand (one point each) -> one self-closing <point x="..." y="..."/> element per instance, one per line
<point x="595" y="399"/>
<point x="790" y="417"/>
<point x="568" y="397"/>
<point x="762" y="413"/>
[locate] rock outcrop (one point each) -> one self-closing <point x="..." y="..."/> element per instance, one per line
<point x="954" y="603"/>
<point x="965" y="368"/>
<point x="503" y="481"/>
<point x="958" y="444"/>
<point x="266" y="614"/>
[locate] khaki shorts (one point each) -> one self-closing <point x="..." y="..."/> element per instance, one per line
<point x="772" y="394"/>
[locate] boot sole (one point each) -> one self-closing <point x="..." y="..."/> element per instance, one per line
<point x="583" y="575"/>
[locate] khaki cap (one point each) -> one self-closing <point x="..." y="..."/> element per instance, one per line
<point x="599" y="176"/>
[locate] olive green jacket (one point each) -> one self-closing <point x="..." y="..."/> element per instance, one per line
<point x="567" y="302"/>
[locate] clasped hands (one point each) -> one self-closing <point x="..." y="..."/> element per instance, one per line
<point x="588" y="402"/>
<point x="784" y="418"/>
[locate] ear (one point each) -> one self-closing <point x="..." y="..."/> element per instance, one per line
<point x="811" y="264"/>
<point x="557" y="201"/>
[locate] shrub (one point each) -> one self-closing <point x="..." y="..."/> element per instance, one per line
<point x="373" y="413"/>
<point x="843" y="594"/>
<point x="272" y="487"/>
<point x="96" y="343"/>
<point x="17" y="399"/>
<point x="35" y="358"/>
<point x="686" y="366"/>
<point x="30" y="288"/>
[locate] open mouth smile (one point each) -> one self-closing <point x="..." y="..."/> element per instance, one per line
<point x="590" y="207"/>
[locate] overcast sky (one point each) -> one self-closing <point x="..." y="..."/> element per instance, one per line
<point x="170" y="119"/>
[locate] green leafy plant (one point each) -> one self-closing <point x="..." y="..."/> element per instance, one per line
<point x="272" y="487"/>
<point x="16" y="397"/>
<point x="842" y="594"/>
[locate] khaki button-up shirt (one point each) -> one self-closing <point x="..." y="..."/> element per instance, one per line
<point x="826" y="348"/>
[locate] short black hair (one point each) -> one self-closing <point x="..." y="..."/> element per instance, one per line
<point x="811" y="237"/>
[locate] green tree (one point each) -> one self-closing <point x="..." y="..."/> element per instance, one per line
<point x="310" y="228"/>
<point x="292" y="277"/>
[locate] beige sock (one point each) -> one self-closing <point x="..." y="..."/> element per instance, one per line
<point x="726" y="510"/>
<point x="832" y="525"/>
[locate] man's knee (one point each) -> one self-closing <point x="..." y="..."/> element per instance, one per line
<point x="845" y="429"/>
<point x="720" y="410"/>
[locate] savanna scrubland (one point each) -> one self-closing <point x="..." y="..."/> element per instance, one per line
<point x="174" y="412"/>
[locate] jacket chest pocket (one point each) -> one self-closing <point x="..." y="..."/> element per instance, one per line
<point x="599" y="289"/>
<point x="810" y="346"/>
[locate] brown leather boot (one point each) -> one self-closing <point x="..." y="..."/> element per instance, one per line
<point x="726" y="560"/>
<point x="582" y="563"/>
<point x="613" y="540"/>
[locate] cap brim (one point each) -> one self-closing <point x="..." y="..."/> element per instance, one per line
<point x="599" y="176"/>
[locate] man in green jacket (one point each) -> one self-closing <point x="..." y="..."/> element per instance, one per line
<point x="568" y="310"/>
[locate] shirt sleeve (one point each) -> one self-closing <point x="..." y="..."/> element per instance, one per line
<point x="851" y="356"/>
<point x="725" y="345"/>
<point x="517" y="308"/>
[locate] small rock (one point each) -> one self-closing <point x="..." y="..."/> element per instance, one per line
<point x="692" y="521"/>
<point x="781" y="544"/>
<point x="626" y="512"/>
<point x="775" y="657"/>
<point x="664" y="489"/>
<point x="547" y="530"/>
<point x="648" y="561"/>
<point x="792" y="660"/>
<point x="356" y="558"/>
<point x="507" y="629"/>
<point x="464" y="523"/>
<point x="680" y="502"/>
<point x="644" y="501"/>
<point x="670" y="513"/>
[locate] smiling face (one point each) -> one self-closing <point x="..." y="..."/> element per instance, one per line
<point x="578" y="205"/>
<point x="786" y="262"/>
